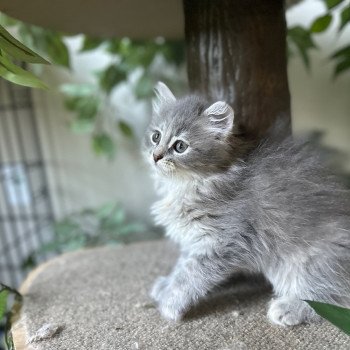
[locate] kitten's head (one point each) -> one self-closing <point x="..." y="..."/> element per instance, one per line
<point x="188" y="135"/>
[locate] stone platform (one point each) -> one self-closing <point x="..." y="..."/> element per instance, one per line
<point x="98" y="299"/>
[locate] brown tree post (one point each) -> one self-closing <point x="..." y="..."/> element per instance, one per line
<point x="236" y="51"/>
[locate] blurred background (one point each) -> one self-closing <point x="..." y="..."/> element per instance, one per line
<point x="71" y="173"/>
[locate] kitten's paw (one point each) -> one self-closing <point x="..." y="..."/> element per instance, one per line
<point x="158" y="288"/>
<point x="171" y="307"/>
<point x="173" y="299"/>
<point x="287" y="311"/>
<point x="282" y="315"/>
<point x="171" y="312"/>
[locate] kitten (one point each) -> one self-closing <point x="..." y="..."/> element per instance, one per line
<point x="273" y="209"/>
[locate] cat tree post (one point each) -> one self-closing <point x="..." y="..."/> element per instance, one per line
<point x="236" y="51"/>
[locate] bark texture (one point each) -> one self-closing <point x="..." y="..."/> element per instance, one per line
<point x="236" y="51"/>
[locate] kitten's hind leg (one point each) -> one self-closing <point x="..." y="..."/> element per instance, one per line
<point x="290" y="311"/>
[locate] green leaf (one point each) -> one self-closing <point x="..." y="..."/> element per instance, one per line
<point x="66" y="228"/>
<point x="337" y="315"/>
<point x="301" y="38"/>
<point x="125" y="129"/>
<point x="17" y="75"/>
<point x="29" y="80"/>
<point x="53" y="246"/>
<point x="119" y="46"/>
<point x="3" y="303"/>
<point x="321" y="23"/>
<point x="341" y="67"/>
<point x="342" y="58"/>
<point x="142" y="54"/>
<point x="131" y="228"/>
<point x="105" y="211"/>
<point x="5" y="291"/>
<point x="49" y="43"/>
<point x="102" y="144"/>
<point x="344" y="17"/>
<point x="81" y="99"/>
<point x="85" y="104"/>
<point x="110" y="77"/>
<point x="91" y="44"/>
<point x="17" y="50"/>
<point x="74" y="244"/>
<point x="7" y="21"/>
<point x="27" y="36"/>
<point x="114" y="220"/>
<point x="57" y="49"/>
<point x="343" y="52"/>
<point x="88" y="107"/>
<point x="332" y="3"/>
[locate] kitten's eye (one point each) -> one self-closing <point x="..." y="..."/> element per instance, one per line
<point x="180" y="146"/>
<point x="156" y="137"/>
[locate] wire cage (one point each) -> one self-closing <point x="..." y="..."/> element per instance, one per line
<point x="26" y="213"/>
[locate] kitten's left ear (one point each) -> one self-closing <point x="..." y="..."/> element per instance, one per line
<point x="164" y="95"/>
<point x="221" y="117"/>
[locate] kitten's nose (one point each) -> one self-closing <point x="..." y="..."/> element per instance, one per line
<point x="157" y="156"/>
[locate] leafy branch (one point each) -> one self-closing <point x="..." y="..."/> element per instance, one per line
<point x="89" y="102"/>
<point x="89" y="228"/>
<point x="301" y="39"/>
<point x="11" y="49"/>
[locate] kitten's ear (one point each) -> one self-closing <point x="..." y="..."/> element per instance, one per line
<point x="221" y="117"/>
<point x="163" y="96"/>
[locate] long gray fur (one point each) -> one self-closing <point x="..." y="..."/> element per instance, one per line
<point x="273" y="209"/>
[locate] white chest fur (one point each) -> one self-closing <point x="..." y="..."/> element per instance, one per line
<point x="176" y="211"/>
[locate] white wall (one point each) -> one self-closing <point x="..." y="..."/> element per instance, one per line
<point x="80" y="179"/>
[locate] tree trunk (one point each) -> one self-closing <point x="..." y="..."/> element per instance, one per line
<point x="236" y="52"/>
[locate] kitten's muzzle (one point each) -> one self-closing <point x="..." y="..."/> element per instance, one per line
<point x="157" y="156"/>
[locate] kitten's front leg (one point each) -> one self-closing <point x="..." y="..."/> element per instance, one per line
<point x="158" y="287"/>
<point x="192" y="278"/>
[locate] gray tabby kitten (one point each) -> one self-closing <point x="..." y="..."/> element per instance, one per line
<point x="273" y="209"/>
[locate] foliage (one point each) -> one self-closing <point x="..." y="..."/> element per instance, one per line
<point x="128" y="56"/>
<point x="301" y="40"/>
<point x="342" y="58"/>
<point x="49" y="43"/>
<point x="8" y="296"/>
<point x="337" y="315"/>
<point x="103" y="144"/>
<point x="89" y="102"/>
<point x="90" y="228"/>
<point x="11" y="49"/>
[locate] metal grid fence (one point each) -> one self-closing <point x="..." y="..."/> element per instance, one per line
<point x="26" y="214"/>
